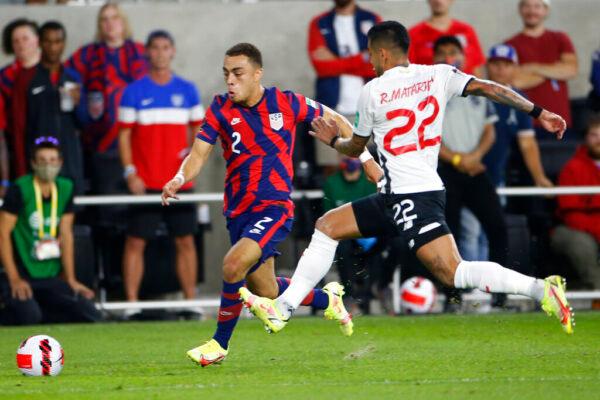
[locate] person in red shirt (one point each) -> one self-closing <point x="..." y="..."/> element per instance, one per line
<point x="578" y="237"/>
<point x="440" y="23"/>
<point x="547" y="60"/>
<point x="158" y="115"/>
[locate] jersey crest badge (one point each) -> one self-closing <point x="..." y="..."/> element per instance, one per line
<point x="276" y="121"/>
<point x="177" y="100"/>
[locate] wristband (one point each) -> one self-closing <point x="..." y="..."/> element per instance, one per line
<point x="128" y="170"/>
<point x="179" y="176"/>
<point x="456" y="159"/>
<point x="536" y="112"/>
<point x="5" y="183"/>
<point x="365" y="156"/>
<point x="332" y="143"/>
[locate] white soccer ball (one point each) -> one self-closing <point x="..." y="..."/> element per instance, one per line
<point x="417" y="295"/>
<point x="40" y="355"/>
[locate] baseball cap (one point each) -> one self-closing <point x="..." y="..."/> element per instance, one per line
<point x="159" y="33"/>
<point x="503" y="52"/>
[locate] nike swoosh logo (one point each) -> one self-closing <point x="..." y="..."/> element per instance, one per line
<point x="37" y="90"/>
<point x="145" y="102"/>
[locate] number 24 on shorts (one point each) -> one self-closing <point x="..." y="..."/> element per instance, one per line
<point x="411" y="119"/>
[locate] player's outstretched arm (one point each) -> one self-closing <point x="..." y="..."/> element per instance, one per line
<point x="190" y="168"/>
<point x="328" y="132"/>
<point x="344" y="126"/>
<point x="504" y="95"/>
<point x="373" y="171"/>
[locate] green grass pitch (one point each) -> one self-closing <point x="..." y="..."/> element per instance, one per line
<point x="507" y="356"/>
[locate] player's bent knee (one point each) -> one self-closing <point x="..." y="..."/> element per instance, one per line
<point x="234" y="269"/>
<point x="326" y="226"/>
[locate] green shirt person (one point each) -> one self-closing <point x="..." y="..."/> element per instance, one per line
<point x="346" y="185"/>
<point x="36" y="245"/>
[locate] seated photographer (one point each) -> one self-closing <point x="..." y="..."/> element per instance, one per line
<point x="39" y="284"/>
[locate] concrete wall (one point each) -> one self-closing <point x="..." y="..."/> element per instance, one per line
<point x="203" y="32"/>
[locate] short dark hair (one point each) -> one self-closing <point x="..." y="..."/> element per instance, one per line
<point x="389" y="34"/>
<point x="159" y="34"/>
<point x="10" y="28"/>
<point x="45" y="142"/>
<point x="52" y="26"/>
<point x="246" y="49"/>
<point x="592" y="122"/>
<point x="446" y="40"/>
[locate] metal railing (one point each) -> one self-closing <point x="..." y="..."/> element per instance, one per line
<point x="308" y="194"/>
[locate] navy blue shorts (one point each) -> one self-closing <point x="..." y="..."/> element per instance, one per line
<point x="267" y="228"/>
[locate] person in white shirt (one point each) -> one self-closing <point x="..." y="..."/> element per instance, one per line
<point x="403" y="109"/>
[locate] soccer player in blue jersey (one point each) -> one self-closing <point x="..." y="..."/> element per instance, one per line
<point x="256" y="126"/>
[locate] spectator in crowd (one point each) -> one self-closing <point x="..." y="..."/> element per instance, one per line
<point x="158" y="117"/>
<point x="36" y="246"/>
<point x="337" y="47"/>
<point x="4" y="170"/>
<point x="511" y="125"/>
<point x="594" y="97"/>
<point x="468" y="136"/>
<point x="43" y="104"/>
<point x="440" y="23"/>
<point x="106" y="66"/>
<point x="20" y="37"/>
<point x="578" y="237"/>
<point x="547" y="60"/>
<point x="354" y="257"/>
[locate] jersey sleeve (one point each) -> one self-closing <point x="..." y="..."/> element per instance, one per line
<point x="363" y="124"/>
<point x="524" y="124"/>
<point x="196" y="109"/>
<point x="211" y="127"/>
<point x="305" y="109"/>
<point x="127" y="116"/>
<point x="566" y="46"/>
<point x="491" y="117"/>
<point x="456" y="82"/>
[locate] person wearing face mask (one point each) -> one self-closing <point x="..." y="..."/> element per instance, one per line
<point x="578" y="236"/>
<point x="470" y="194"/>
<point x="353" y="257"/>
<point x="36" y="247"/>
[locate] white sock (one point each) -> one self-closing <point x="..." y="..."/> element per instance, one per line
<point x="493" y="278"/>
<point x="312" y="267"/>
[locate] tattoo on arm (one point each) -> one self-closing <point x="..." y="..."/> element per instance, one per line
<point x="352" y="146"/>
<point x="499" y="94"/>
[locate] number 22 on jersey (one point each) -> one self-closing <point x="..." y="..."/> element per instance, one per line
<point x="431" y="104"/>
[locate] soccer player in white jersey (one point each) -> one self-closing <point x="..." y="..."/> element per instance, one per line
<point x="403" y="108"/>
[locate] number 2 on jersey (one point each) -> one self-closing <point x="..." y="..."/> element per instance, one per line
<point x="237" y="138"/>
<point x="411" y="119"/>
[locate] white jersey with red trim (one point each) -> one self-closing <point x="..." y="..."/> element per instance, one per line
<point x="404" y="110"/>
